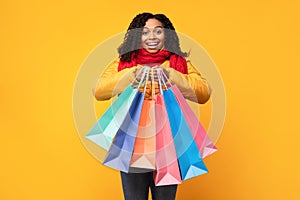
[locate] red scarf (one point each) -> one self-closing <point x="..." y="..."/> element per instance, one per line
<point x="151" y="59"/>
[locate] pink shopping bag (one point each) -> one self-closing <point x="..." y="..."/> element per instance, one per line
<point x="201" y="138"/>
<point x="167" y="169"/>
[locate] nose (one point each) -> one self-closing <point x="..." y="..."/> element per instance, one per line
<point x="152" y="35"/>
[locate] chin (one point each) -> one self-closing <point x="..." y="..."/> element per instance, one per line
<point x="152" y="50"/>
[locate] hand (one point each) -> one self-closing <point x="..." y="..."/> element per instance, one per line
<point x="153" y="73"/>
<point x="138" y="75"/>
<point x="165" y="71"/>
<point x="164" y="75"/>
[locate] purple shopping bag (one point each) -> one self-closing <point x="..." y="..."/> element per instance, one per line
<point x="120" y="152"/>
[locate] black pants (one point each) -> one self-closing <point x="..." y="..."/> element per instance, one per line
<point x="136" y="187"/>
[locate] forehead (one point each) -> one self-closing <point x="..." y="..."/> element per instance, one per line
<point x="152" y="23"/>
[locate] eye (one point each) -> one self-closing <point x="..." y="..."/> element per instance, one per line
<point x="158" y="31"/>
<point x="145" y="32"/>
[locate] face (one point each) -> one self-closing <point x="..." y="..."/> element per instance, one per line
<point x="153" y="36"/>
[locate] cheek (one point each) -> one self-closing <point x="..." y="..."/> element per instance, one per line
<point x="143" y="39"/>
<point x="161" y="37"/>
<point x="162" y="40"/>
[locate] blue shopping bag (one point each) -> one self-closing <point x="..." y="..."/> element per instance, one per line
<point x="189" y="158"/>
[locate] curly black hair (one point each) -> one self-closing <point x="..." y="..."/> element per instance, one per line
<point x="132" y="39"/>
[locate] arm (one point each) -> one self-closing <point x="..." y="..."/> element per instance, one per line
<point x="111" y="82"/>
<point x="190" y="84"/>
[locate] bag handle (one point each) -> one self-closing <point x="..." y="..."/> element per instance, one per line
<point x="152" y="84"/>
<point x="158" y="72"/>
<point x="163" y="79"/>
<point x="165" y="76"/>
<point x="147" y="78"/>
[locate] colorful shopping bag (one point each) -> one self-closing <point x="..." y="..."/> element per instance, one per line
<point x="189" y="158"/>
<point x="204" y="143"/>
<point x="144" y="147"/>
<point x="120" y="152"/>
<point x="107" y="126"/>
<point x="167" y="169"/>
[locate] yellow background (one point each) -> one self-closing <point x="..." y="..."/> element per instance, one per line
<point x="255" y="45"/>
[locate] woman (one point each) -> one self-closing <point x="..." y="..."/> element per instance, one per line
<point x="151" y="40"/>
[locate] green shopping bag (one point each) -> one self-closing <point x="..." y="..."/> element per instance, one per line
<point x="103" y="132"/>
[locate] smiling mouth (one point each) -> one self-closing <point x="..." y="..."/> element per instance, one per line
<point x="152" y="44"/>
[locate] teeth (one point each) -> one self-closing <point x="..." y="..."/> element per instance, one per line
<point x="152" y="44"/>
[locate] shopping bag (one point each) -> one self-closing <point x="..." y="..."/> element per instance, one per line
<point x="167" y="169"/>
<point x="144" y="147"/>
<point x="204" y="143"/>
<point x="120" y="152"/>
<point x="189" y="158"/>
<point x="188" y="154"/>
<point x="103" y="132"/>
<point x="107" y="126"/>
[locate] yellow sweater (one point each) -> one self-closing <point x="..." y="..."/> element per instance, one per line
<point x="192" y="85"/>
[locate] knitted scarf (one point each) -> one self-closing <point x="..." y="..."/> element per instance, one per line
<point x="151" y="59"/>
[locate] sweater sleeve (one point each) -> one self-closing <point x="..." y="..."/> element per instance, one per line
<point x="192" y="85"/>
<point x="111" y="82"/>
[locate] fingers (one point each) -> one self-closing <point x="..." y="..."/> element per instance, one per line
<point x="157" y="74"/>
<point x="150" y="90"/>
<point x="165" y="72"/>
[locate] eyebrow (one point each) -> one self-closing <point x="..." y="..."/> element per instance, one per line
<point x="154" y="27"/>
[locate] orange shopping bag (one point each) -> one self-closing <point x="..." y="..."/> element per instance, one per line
<point x="145" y="143"/>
